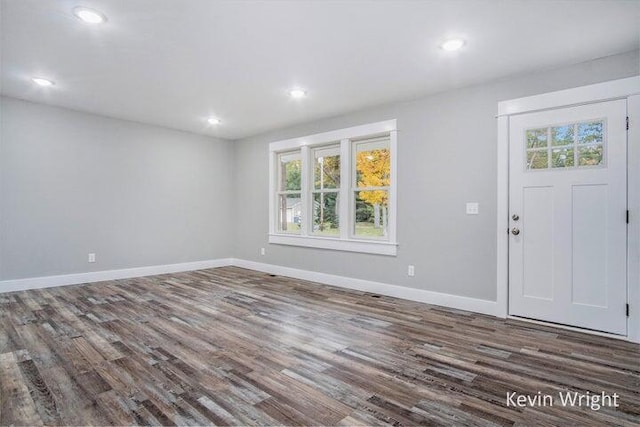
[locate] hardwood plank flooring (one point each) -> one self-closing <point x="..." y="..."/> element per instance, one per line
<point x="230" y="346"/>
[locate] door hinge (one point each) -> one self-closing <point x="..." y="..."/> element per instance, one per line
<point x="627" y="122"/>
<point x="627" y="310"/>
<point x="627" y="216"/>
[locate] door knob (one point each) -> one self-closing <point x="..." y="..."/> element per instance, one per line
<point x="515" y="217"/>
<point x="515" y="231"/>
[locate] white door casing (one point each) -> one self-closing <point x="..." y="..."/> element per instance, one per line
<point x="567" y="265"/>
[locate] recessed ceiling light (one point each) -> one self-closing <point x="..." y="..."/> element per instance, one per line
<point x="42" y="82"/>
<point x="452" y="44"/>
<point x="213" y="121"/>
<point x="90" y="16"/>
<point x="298" y="93"/>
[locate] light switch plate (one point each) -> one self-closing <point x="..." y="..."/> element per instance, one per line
<point x="472" y="208"/>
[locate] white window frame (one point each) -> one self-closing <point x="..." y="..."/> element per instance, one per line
<point x="346" y="240"/>
<point x="279" y="193"/>
<point x="313" y="190"/>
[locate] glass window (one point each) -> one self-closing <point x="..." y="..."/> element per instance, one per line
<point x="335" y="193"/>
<point x="371" y="216"/>
<point x="562" y="157"/>
<point x="326" y="187"/>
<point x="372" y="175"/>
<point x="590" y="133"/>
<point x="562" y="135"/>
<point x="326" y="168"/>
<point x="289" y="192"/>
<point x="290" y="172"/>
<point x="373" y="163"/>
<point x="537" y="138"/>
<point x="590" y="156"/>
<point x="326" y="214"/>
<point x="565" y="146"/>
<point x="289" y="213"/>
<point x="537" y="159"/>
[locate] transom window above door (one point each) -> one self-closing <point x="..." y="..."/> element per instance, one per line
<point x="336" y="190"/>
<point x="565" y="146"/>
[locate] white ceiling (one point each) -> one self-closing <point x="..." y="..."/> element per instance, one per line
<point x="174" y="63"/>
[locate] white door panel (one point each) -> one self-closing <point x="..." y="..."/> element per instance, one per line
<point x="568" y="189"/>
<point x="537" y="211"/>
<point x="589" y="243"/>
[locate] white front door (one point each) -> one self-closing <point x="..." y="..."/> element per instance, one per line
<point x="568" y="209"/>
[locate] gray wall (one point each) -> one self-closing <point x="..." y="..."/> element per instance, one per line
<point x="446" y="157"/>
<point x="73" y="183"/>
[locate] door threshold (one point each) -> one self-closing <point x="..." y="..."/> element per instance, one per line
<point x="569" y="328"/>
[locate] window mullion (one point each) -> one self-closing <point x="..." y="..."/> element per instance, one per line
<point x="327" y="191"/>
<point x="305" y="196"/>
<point x="273" y="176"/>
<point x="575" y="144"/>
<point x="549" y="148"/>
<point x="345" y="209"/>
<point x="393" y="201"/>
<point x="383" y="188"/>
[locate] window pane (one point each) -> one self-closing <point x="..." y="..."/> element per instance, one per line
<point x="590" y="133"/>
<point x="372" y="213"/>
<point x="590" y="156"/>
<point x="562" y="157"/>
<point x="373" y="164"/>
<point x="289" y="213"/>
<point x="326" y="169"/>
<point x="538" y="159"/>
<point x="562" y="135"/>
<point x="289" y="172"/>
<point x="536" y="138"/>
<point x="326" y="213"/>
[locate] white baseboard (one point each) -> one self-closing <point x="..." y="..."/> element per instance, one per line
<point x="419" y="295"/>
<point x="412" y="294"/>
<point x="429" y="297"/>
<point x="99" y="276"/>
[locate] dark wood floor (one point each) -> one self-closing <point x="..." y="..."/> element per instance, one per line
<point x="230" y="346"/>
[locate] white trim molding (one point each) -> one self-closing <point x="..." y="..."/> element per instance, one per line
<point x="363" y="246"/>
<point x="334" y="135"/>
<point x="628" y="89"/>
<point x="412" y="294"/>
<point x="99" y="276"/>
<point x="607" y="91"/>
<point x="633" y="228"/>
<point x="502" y="271"/>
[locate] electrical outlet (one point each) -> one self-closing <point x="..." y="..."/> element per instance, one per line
<point x="92" y="257"/>
<point x="472" y="208"/>
<point x="262" y="251"/>
<point x="411" y="271"/>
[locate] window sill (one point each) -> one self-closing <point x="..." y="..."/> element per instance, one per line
<point x="362" y="246"/>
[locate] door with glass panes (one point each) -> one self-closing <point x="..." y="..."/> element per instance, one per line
<point x="567" y="207"/>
